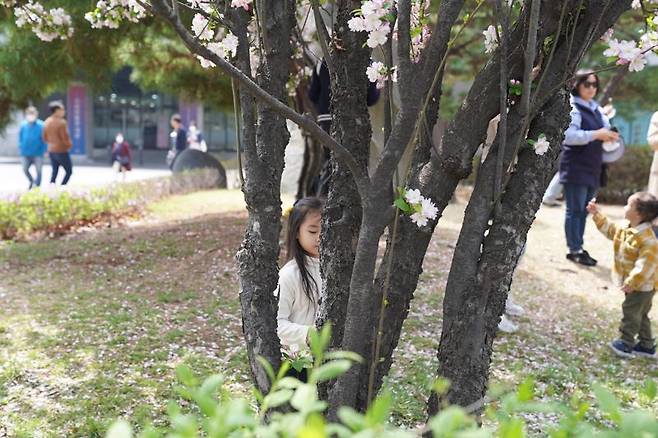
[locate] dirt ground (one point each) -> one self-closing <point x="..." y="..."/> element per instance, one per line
<point x="92" y="324"/>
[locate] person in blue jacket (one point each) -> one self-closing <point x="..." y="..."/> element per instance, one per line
<point x="31" y="145"/>
<point x="581" y="160"/>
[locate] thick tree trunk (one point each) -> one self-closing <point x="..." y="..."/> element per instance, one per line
<point x="263" y="165"/>
<point x="436" y="176"/>
<point x="351" y="127"/>
<point x="472" y="311"/>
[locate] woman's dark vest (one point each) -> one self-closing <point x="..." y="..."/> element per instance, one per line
<point x="582" y="164"/>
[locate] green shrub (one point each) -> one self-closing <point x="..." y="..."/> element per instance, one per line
<point x="292" y="409"/>
<point x="628" y="175"/>
<point x="58" y="209"/>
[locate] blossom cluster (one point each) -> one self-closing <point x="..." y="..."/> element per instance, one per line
<point x="46" y="24"/>
<point x="245" y="4"/>
<point x="490" y="39"/>
<point x="373" y="17"/>
<point x="221" y="44"/>
<point x="541" y="146"/>
<point x="637" y="4"/>
<point x="110" y="13"/>
<point x="420" y="208"/>
<point x="420" y="31"/>
<point x="378" y="72"/>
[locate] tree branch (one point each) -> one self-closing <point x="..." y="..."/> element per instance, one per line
<point x="360" y="176"/>
<point x="404" y="46"/>
<point x="323" y="34"/>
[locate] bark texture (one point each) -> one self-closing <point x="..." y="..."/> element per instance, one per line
<point x="351" y="127"/>
<point x="482" y="267"/>
<point x="472" y="316"/>
<point x="263" y="165"/>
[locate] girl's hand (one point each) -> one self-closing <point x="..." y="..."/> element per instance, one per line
<point x="592" y="208"/>
<point x="626" y="289"/>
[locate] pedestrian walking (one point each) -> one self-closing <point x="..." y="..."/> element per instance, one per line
<point x="56" y="135"/>
<point x="581" y="161"/>
<point x="31" y="146"/>
<point x="178" y="139"/>
<point x="121" y="156"/>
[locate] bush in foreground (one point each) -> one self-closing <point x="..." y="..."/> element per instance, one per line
<point x="292" y="409"/>
<point x="57" y="209"/>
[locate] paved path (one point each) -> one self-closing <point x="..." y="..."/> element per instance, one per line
<point x="12" y="178"/>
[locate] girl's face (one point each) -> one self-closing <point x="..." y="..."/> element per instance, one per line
<point x="630" y="212"/>
<point x="587" y="89"/>
<point x="309" y="233"/>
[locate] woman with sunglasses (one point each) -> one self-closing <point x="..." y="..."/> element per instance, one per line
<point x="581" y="161"/>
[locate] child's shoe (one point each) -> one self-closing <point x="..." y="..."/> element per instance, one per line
<point x="621" y="348"/>
<point x="641" y="351"/>
<point x="506" y="325"/>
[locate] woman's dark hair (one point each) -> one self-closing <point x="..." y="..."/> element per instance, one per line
<point x="176" y="118"/>
<point x="646" y="205"/>
<point x="294" y="249"/>
<point x="55" y="105"/>
<point x="581" y="78"/>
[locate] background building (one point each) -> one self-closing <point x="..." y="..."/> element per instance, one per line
<point x="95" y="118"/>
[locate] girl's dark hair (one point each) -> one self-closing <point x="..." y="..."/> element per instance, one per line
<point x="646" y="205"/>
<point x="294" y="249"/>
<point x="581" y="77"/>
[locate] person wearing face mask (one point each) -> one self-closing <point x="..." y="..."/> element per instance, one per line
<point x="31" y="145"/>
<point x="121" y="156"/>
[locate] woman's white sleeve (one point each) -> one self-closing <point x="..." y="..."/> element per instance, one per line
<point x="290" y="333"/>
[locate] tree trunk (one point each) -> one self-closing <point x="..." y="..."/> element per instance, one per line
<point x="471" y="312"/>
<point x="472" y="309"/>
<point x="350" y="126"/>
<point x="257" y="258"/>
<point x="437" y="176"/>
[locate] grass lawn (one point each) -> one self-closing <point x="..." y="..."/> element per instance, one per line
<point x="93" y="324"/>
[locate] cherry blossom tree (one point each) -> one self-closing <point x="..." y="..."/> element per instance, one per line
<point x="399" y="45"/>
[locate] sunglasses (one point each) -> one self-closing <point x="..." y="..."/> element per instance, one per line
<point x="589" y="84"/>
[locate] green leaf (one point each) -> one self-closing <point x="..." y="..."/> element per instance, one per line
<point x="304" y="397"/>
<point x="607" y="402"/>
<point x="185" y="376"/>
<point x="277" y="398"/>
<point x="531" y="142"/>
<point x="526" y="390"/>
<point x="449" y="420"/>
<point x="379" y="410"/>
<point x="441" y="386"/>
<point x="349" y="355"/>
<point x="120" y="429"/>
<point x="267" y="367"/>
<point x="329" y="371"/>
<point x="512" y="429"/>
<point x="402" y="205"/>
<point x="352" y="419"/>
<point x="316" y="344"/>
<point x="650" y="389"/>
<point x="211" y="385"/>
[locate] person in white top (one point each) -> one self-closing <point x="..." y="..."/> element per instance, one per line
<point x="300" y="284"/>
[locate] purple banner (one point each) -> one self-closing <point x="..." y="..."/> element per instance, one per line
<point x="189" y="111"/>
<point x="77" y="118"/>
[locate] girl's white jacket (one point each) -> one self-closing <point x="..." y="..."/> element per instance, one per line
<point x="296" y="312"/>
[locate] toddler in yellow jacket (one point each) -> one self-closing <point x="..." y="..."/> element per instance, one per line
<point x="635" y="271"/>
